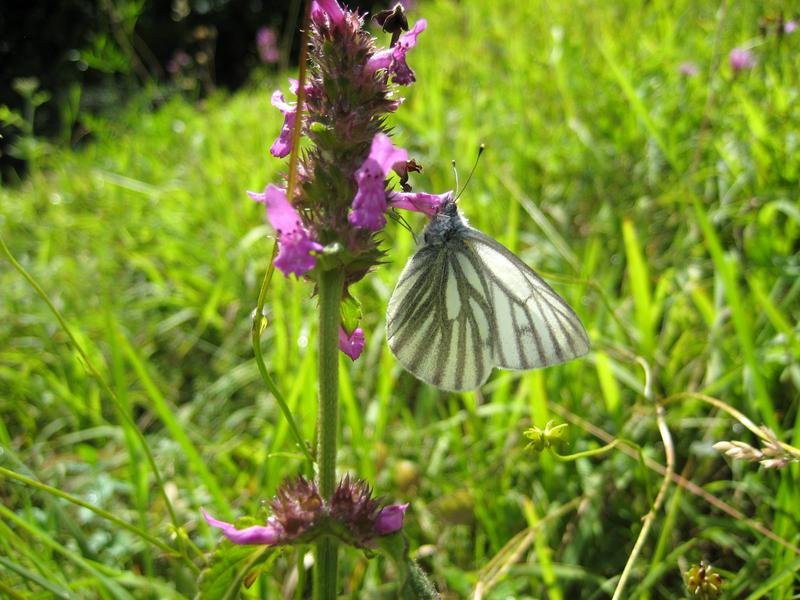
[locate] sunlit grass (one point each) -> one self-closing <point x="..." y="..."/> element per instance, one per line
<point x="665" y="206"/>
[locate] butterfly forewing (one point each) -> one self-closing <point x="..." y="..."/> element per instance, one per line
<point x="535" y="326"/>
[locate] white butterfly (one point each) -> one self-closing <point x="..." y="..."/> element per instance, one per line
<point x="465" y="304"/>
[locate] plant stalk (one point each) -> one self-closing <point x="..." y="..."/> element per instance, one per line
<point x="330" y="296"/>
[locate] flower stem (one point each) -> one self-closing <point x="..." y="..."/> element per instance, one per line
<point x="330" y="296"/>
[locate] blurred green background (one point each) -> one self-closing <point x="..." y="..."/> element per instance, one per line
<point x="651" y="183"/>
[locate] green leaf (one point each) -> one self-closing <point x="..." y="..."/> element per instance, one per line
<point x="640" y="286"/>
<point x="228" y="568"/>
<point x="608" y="383"/>
<point x="351" y="313"/>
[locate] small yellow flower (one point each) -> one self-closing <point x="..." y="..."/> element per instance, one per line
<point x="553" y="436"/>
<point x="703" y="582"/>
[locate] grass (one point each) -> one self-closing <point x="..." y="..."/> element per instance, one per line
<point x="663" y="208"/>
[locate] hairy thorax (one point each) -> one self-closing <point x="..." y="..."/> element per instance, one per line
<point x="446" y="227"/>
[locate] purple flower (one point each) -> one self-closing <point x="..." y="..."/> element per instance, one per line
<point x="394" y="59"/>
<point x="394" y="104"/>
<point x="741" y="59"/>
<point x="790" y="26"/>
<point x="352" y="344"/>
<point x="689" y="69"/>
<point x="283" y="144"/>
<point x="178" y="61"/>
<point x="294" y="241"/>
<point x="390" y="519"/>
<point x="270" y="535"/>
<point x="420" y="201"/>
<point x="300" y="515"/>
<point x="353" y="506"/>
<point x="327" y="8"/>
<point x="267" y="43"/>
<point x="369" y="204"/>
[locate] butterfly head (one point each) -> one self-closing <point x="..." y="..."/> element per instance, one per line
<point x="448" y="208"/>
<point x="447" y="224"/>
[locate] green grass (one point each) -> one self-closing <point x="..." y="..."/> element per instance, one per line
<point x="663" y="208"/>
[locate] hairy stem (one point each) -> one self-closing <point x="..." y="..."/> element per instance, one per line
<point x="330" y="296"/>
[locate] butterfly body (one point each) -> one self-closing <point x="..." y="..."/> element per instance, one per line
<point x="465" y="304"/>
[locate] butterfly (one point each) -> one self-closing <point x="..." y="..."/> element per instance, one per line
<point x="465" y="304"/>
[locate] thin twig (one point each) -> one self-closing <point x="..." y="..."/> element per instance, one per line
<point x="669" y="451"/>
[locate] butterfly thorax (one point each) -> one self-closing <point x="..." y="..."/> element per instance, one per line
<point x="446" y="225"/>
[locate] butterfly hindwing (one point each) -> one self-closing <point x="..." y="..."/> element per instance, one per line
<point x="439" y="319"/>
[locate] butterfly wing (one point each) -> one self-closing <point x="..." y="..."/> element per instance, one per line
<point x="439" y="319"/>
<point x="534" y="327"/>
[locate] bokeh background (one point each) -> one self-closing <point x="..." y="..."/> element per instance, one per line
<point x="647" y="173"/>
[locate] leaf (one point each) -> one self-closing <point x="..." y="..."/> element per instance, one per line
<point x="350" y="310"/>
<point x="608" y="383"/>
<point x="229" y="568"/>
<point x="640" y="286"/>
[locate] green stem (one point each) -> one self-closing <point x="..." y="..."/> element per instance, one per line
<point x="588" y="453"/>
<point x="259" y="323"/>
<point x="330" y="297"/>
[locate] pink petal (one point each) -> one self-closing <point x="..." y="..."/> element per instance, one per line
<point x="369" y="203"/>
<point x="352" y="345"/>
<point x="283" y="143"/>
<point x="741" y="59"/>
<point x="390" y="519"/>
<point x="385" y="153"/>
<point x="281" y="214"/>
<point x="294" y="253"/>
<point x="394" y="59"/>
<point x="331" y="8"/>
<point x="278" y="101"/>
<point x="380" y="60"/>
<point x="295" y="244"/>
<point x="428" y="204"/>
<point x="269" y="535"/>
<point x="409" y="38"/>
<point x="266" y="41"/>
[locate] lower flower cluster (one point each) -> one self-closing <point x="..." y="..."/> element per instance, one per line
<point x="300" y="515"/>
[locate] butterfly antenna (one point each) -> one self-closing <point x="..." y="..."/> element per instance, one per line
<point x="481" y="148"/>
<point x="455" y="172"/>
